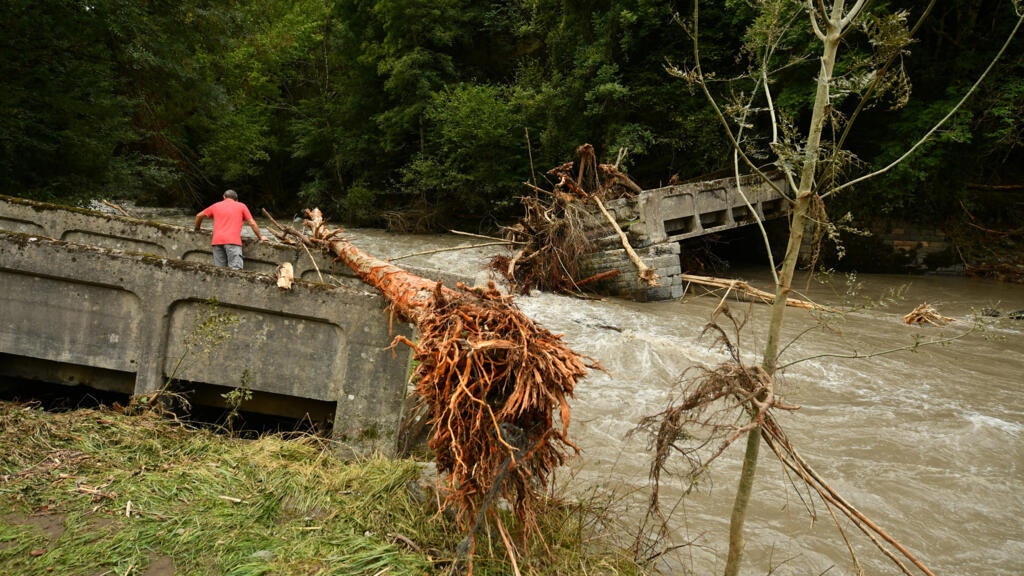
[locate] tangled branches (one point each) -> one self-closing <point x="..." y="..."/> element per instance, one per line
<point x="492" y="379"/>
<point x="554" y="232"/>
<point x="554" y="228"/>
<point x="703" y="424"/>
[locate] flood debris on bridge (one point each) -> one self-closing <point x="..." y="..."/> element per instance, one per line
<point x="554" y="235"/>
<point x="597" y="229"/>
<point x="490" y="378"/>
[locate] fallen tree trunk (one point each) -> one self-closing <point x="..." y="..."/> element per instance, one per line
<point x="491" y="378"/>
<point x="747" y="290"/>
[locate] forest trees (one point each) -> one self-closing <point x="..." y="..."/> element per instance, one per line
<point x="363" y="107"/>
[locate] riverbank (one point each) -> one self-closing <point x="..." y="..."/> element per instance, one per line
<point x="97" y="492"/>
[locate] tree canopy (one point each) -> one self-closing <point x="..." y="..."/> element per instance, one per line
<point x="369" y="106"/>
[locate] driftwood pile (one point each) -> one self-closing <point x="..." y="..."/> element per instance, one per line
<point x="490" y="377"/>
<point x="550" y="242"/>
<point x="926" y="314"/>
<point x="552" y="234"/>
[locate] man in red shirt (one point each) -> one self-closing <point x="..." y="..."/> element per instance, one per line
<point x="228" y="215"/>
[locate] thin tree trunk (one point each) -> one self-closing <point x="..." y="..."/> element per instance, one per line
<point x="801" y="209"/>
<point x="739" y="507"/>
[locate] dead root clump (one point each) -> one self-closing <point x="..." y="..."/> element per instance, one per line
<point x="593" y="177"/>
<point x="492" y="380"/>
<point x="550" y="243"/>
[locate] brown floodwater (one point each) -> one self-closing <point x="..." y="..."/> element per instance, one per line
<point x="928" y="443"/>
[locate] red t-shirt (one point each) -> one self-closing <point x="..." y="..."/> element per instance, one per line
<point x="228" y="216"/>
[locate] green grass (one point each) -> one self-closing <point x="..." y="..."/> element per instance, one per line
<point x="209" y="502"/>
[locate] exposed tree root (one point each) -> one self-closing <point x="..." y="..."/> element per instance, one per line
<point x="552" y="241"/>
<point x="490" y="377"/>
<point x="553" y="228"/>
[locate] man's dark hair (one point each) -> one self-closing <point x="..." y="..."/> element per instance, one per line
<point x="231" y="194"/>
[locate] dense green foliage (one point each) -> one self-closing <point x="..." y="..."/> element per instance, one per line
<point x="364" y="106"/>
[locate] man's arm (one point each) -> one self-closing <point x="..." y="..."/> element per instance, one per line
<point x="255" y="228"/>
<point x="199" y="220"/>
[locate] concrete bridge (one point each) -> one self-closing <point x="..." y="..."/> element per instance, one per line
<point x="656" y="221"/>
<point x="114" y="303"/>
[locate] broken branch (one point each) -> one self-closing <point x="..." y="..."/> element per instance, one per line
<point x="748" y="290"/>
<point x="643" y="272"/>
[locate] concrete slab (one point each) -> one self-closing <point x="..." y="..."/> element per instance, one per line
<point x="134" y="313"/>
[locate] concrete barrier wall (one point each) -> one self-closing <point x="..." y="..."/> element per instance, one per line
<point x="165" y="240"/>
<point x="134" y="313"/>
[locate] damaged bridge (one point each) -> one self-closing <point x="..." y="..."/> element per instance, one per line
<point x="656" y="221"/>
<point x="113" y="303"/>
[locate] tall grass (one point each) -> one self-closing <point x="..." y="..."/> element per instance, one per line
<point x="130" y="491"/>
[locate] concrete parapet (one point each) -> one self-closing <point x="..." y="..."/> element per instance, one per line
<point x="84" y="226"/>
<point x="122" y="313"/>
<point x="113" y="231"/>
